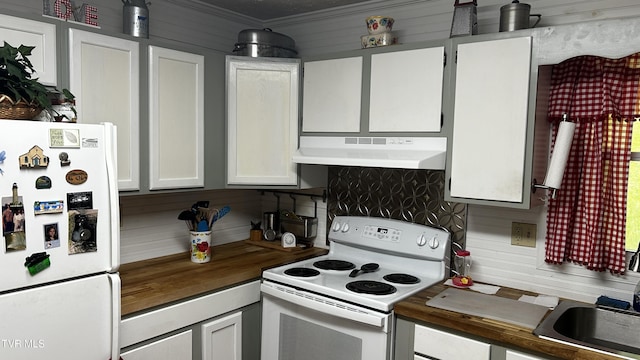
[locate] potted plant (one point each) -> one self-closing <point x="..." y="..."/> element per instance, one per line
<point x="21" y="96"/>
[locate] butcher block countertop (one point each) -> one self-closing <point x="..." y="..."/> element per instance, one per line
<point x="497" y="332"/>
<point x="161" y="281"/>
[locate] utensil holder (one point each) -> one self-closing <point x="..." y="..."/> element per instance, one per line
<point x="200" y="242"/>
<point x="255" y="235"/>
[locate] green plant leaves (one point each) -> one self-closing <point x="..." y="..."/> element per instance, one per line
<point x="16" y="71"/>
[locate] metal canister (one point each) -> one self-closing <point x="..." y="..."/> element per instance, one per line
<point x="135" y="18"/>
<point x="515" y="16"/>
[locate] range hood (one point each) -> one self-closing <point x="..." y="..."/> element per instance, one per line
<point x="385" y="152"/>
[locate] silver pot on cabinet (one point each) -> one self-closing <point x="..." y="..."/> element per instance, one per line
<point x="264" y="43"/>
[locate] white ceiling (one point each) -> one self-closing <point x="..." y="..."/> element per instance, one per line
<point x="271" y="9"/>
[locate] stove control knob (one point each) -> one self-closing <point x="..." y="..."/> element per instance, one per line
<point x="421" y="241"/>
<point x="336" y="226"/>
<point x="434" y="243"/>
<point x="345" y="227"/>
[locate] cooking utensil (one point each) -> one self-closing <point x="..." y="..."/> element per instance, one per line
<point x="255" y="225"/>
<point x="189" y="217"/>
<point x="203" y="203"/>
<point x="271" y="221"/>
<point x="515" y="16"/>
<point x="366" y="268"/>
<point x="219" y="214"/>
<point x="465" y="18"/>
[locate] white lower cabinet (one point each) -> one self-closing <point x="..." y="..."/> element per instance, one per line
<point x="173" y="347"/>
<point x="172" y="332"/>
<point x="515" y="355"/>
<point x="437" y="344"/>
<point x="222" y="338"/>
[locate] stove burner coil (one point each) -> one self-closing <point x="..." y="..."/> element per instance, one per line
<point x="371" y="287"/>
<point x="334" y="265"/>
<point x="302" y="272"/>
<point x="399" y="278"/>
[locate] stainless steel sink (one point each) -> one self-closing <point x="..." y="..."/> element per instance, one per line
<point x="596" y="328"/>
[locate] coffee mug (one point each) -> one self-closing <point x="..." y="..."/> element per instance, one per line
<point x="200" y="246"/>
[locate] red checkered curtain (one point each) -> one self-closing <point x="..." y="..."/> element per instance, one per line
<point x="586" y="221"/>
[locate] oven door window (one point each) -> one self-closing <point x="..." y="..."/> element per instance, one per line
<point x="294" y="332"/>
<point x="299" y="337"/>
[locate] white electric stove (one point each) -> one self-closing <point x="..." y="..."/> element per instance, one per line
<point x="398" y="259"/>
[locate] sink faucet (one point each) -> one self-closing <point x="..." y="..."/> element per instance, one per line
<point x="634" y="264"/>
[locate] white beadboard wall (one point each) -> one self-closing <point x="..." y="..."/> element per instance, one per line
<point x="498" y="262"/>
<point x="305" y="206"/>
<point x="150" y="226"/>
<point x="190" y="22"/>
<point x="425" y="20"/>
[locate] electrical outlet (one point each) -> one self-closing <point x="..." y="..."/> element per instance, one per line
<point x="523" y="234"/>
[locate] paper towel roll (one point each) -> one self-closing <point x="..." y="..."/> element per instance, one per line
<point x="560" y="154"/>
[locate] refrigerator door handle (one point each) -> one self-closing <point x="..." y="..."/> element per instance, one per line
<point x="114" y="279"/>
<point x="111" y="139"/>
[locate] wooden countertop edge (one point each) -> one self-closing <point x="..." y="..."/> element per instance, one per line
<point x="415" y="309"/>
<point x="157" y="282"/>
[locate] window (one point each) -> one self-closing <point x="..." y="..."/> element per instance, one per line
<point x="633" y="193"/>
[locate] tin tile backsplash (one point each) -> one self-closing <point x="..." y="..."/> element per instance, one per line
<point x="410" y="195"/>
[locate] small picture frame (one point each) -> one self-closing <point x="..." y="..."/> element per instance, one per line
<point x="51" y="236"/>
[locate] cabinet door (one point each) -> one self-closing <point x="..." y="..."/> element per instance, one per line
<point x="222" y="338"/>
<point x="17" y="31"/>
<point x="262" y="121"/>
<point x="332" y="95"/>
<point x="173" y="347"/>
<point x="406" y="90"/>
<point x="490" y="120"/>
<point x="176" y="119"/>
<point x="437" y="344"/>
<point x="515" y="355"/>
<point x="104" y="75"/>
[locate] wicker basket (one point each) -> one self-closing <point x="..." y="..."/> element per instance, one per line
<point x="17" y="111"/>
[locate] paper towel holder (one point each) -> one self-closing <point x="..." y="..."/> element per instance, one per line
<point x="566" y="128"/>
<point x="535" y="186"/>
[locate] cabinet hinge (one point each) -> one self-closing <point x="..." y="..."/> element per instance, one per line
<point x="444" y="60"/>
<point x="456" y="60"/>
<point x="449" y="184"/>
<point x="441" y="120"/>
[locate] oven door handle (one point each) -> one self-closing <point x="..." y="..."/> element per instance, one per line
<point x="325" y="305"/>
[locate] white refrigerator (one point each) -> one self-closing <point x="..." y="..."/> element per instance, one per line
<point x="59" y="283"/>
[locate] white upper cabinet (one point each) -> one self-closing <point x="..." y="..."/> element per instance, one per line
<point x="262" y="120"/>
<point x="332" y="94"/>
<point x="17" y="31"/>
<point x="371" y="91"/>
<point x="490" y="126"/>
<point x="406" y="90"/>
<point x="176" y="119"/>
<point x="104" y="78"/>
